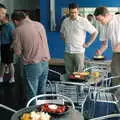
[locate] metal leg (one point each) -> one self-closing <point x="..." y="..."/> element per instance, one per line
<point x="7" y="108"/>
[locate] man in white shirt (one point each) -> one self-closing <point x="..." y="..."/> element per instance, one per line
<point x="73" y="32"/>
<point x="112" y="33"/>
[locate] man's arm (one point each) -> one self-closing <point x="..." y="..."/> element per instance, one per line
<point x="117" y="48"/>
<point x="15" y="48"/>
<point x="92" y="39"/>
<point x="62" y="36"/>
<point x="103" y="48"/>
<point x="16" y="44"/>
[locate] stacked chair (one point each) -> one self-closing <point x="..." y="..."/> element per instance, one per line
<point x="103" y="101"/>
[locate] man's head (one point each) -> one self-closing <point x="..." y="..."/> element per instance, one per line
<point x="3" y="11"/>
<point x="90" y="17"/>
<point x="73" y="10"/>
<point x="102" y="14"/>
<point x="17" y="17"/>
<point x="5" y="19"/>
<point x="117" y="13"/>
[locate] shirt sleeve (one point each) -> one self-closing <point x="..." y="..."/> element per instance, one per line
<point x="103" y="33"/>
<point x="62" y="27"/>
<point x="89" y="27"/>
<point x="17" y="43"/>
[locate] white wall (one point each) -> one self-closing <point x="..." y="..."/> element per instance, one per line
<point x="20" y="4"/>
<point x="26" y="4"/>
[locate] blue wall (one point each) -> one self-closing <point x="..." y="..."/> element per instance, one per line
<point x="56" y="45"/>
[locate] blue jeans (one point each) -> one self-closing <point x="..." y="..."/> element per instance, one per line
<point x="36" y="78"/>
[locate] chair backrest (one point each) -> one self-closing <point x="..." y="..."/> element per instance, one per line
<point x="50" y="98"/>
<point x="103" y="99"/>
<point x="101" y="69"/>
<point x="55" y="72"/>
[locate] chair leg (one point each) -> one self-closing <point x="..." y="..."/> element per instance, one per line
<point x="7" y="108"/>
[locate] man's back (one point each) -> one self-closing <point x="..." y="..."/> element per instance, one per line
<point x="31" y="38"/>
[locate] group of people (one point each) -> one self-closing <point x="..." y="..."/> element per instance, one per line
<point x="28" y="40"/>
<point x="6" y="39"/>
<point x="73" y="31"/>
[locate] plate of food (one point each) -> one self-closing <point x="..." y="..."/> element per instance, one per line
<point x="81" y="73"/>
<point x="54" y="109"/>
<point x="99" y="57"/>
<point x="35" y="115"/>
<point x="31" y="113"/>
<point x="81" y="76"/>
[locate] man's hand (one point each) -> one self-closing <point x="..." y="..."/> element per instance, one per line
<point x="102" y="49"/>
<point x="117" y="48"/>
<point x="98" y="52"/>
<point x="85" y="46"/>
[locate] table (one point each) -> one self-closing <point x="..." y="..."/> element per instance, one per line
<point x="71" y="115"/>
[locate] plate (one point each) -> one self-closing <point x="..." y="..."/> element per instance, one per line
<point x="74" y="79"/>
<point x="99" y="57"/>
<point x="81" y="73"/>
<point x="54" y="109"/>
<point x="79" y="77"/>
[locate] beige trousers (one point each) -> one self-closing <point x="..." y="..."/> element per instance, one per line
<point x="73" y="62"/>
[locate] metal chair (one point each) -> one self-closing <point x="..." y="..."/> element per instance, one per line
<point x="101" y="69"/>
<point x="108" y="117"/>
<point x="103" y="99"/>
<point x="50" y="98"/>
<point x="7" y="108"/>
<point x="53" y="71"/>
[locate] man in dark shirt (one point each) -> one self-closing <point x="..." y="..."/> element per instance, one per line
<point x="6" y="37"/>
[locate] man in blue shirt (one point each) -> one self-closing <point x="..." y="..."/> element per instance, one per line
<point x="6" y="37"/>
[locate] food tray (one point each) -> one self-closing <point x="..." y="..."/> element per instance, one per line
<point x="98" y="58"/>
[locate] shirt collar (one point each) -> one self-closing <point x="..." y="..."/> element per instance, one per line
<point x="26" y="20"/>
<point x="77" y="18"/>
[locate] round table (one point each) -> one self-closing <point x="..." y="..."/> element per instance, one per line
<point x="71" y="115"/>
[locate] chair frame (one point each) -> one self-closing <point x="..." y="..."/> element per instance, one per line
<point x="106" y="117"/>
<point x="107" y="88"/>
<point x="50" y="95"/>
<point x="7" y="108"/>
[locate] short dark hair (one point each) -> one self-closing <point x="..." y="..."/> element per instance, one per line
<point x="101" y="11"/>
<point x="73" y="6"/>
<point x="117" y="13"/>
<point x="18" y="15"/>
<point x="90" y="15"/>
<point x="2" y="6"/>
